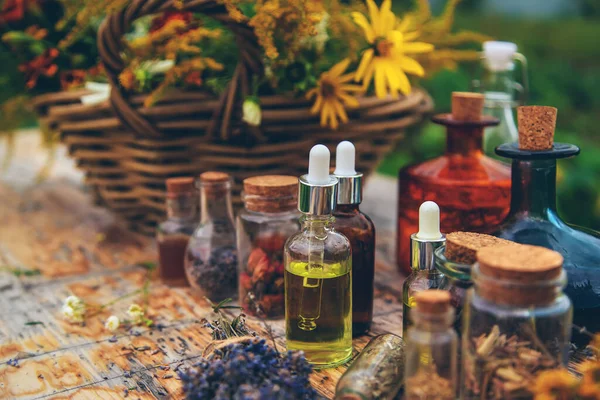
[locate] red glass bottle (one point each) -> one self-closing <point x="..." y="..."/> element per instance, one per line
<point x="471" y="189"/>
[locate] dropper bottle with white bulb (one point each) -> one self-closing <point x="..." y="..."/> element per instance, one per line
<point x="360" y="230"/>
<point x="424" y="275"/>
<point x="318" y="266"/>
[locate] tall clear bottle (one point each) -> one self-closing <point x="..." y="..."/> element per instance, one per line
<point x="360" y="230"/>
<point x="499" y="86"/>
<point x="431" y="349"/>
<point x="318" y="272"/>
<point x="211" y="257"/>
<point x="172" y="235"/>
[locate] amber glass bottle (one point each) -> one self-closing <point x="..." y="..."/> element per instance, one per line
<point x="360" y="231"/>
<point x="471" y="189"/>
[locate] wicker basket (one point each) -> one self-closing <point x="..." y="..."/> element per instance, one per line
<point x="127" y="150"/>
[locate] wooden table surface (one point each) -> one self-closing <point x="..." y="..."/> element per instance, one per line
<point x="80" y="249"/>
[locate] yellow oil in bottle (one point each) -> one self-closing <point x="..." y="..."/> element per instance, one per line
<point x="318" y="311"/>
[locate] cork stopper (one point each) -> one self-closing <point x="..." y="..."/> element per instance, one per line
<point x="180" y="185"/>
<point x="271" y="193"/>
<point x="536" y="127"/>
<point x="467" y="106"/>
<point x="214" y="177"/>
<point x="433" y="301"/>
<point x="462" y="247"/>
<point x="519" y="274"/>
<point x="215" y="184"/>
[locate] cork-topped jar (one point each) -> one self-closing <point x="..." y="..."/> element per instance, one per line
<point x="455" y="263"/>
<point x="471" y="189"/>
<point x="431" y="349"/>
<point x="516" y="316"/>
<point x="173" y="234"/>
<point x="211" y="257"/>
<point x="268" y="219"/>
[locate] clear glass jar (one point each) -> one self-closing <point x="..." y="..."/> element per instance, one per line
<point x="517" y="321"/>
<point x="456" y="279"/>
<point x="211" y="260"/>
<point x="173" y="235"/>
<point x="431" y="349"/>
<point x="269" y="218"/>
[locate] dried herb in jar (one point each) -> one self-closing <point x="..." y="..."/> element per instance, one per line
<point x="428" y="385"/>
<point x="211" y="259"/>
<point x="261" y="282"/>
<point x="505" y="366"/>
<point x="268" y="219"/>
<point x="517" y="321"/>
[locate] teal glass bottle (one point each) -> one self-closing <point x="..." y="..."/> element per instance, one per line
<point x="533" y="219"/>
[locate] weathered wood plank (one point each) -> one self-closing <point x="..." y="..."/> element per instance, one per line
<point x="82" y="250"/>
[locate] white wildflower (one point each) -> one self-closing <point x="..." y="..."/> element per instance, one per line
<point x="156" y="67"/>
<point x="136" y="313"/>
<point x="112" y="323"/>
<point x="74" y="309"/>
<point x="252" y="114"/>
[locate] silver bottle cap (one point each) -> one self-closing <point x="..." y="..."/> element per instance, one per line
<point x="317" y="199"/>
<point x="424" y="243"/>
<point x="350" y="189"/>
<point x="350" y="186"/>
<point x="422" y="255"/>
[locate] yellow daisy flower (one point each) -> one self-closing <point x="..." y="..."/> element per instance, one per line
<point x="387" y="59"/>
<point x="590" y="383"/>
<point x="556" y="384"/>
<point x="332" y="95"/>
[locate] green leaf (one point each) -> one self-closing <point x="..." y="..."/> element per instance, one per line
<point x="31" y="323"/>
<point x="149" y="265"/>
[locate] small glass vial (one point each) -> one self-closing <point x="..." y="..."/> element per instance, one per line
<point x="360" y="230"/>
<point x="376" y="374"/>
<point x="172" y="235"/>
<point x="424" y="275"/>
<point x="318" y="266"/>
<point x="431" y="349"/>
<point x="269" y="218"/>
<point x="211" y="260"/>
<point x="517" y="321"/>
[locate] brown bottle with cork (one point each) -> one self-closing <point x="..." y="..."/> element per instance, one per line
<point x="172" y="235"/>
<point x="471" y="189"/>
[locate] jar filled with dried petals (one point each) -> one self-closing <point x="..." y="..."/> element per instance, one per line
<point x="269" y="218"/>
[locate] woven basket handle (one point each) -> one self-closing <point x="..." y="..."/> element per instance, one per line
<point x="110" y="46"/>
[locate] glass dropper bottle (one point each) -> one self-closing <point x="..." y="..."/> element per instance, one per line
<point x="360" y="230"/>
<point x="318" y="265"/>
<point x="424" y="275"/>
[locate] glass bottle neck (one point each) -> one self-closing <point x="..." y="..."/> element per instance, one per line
<point x="533" y="187"/>
<point x="498" y="85"/>
<point x="318" y="224"/>
<point x="183" y="206"/>
<point x="347" y="209"/>
<point x="466" y="141"/>
<point x="215" y="204"/>
<point x="432" y="323"/>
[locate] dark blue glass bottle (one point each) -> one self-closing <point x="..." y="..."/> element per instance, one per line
<point x="533" y="219"/>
